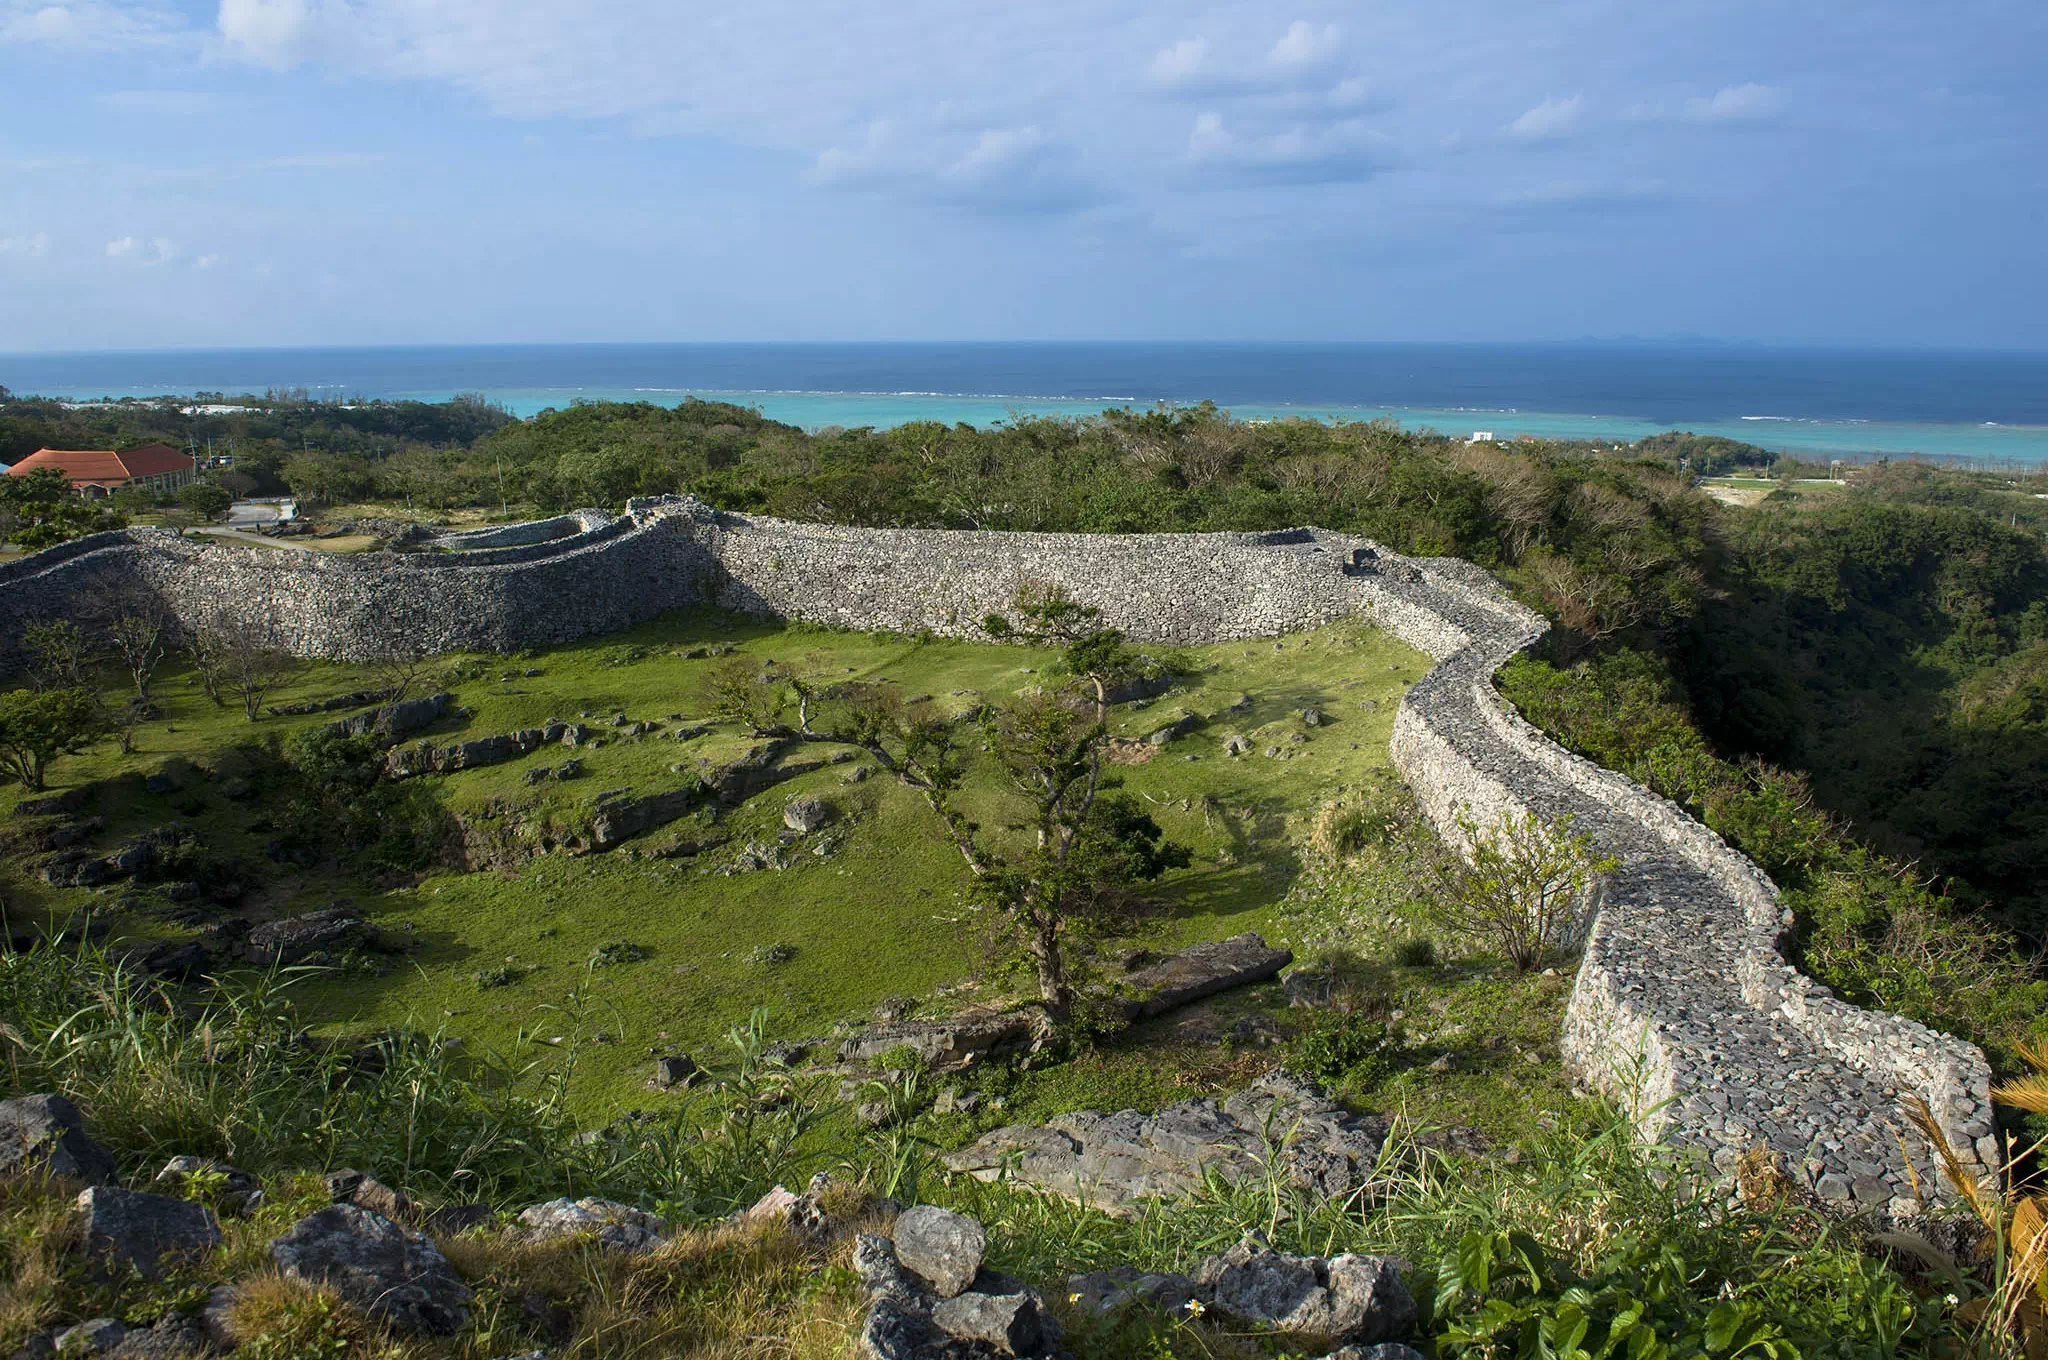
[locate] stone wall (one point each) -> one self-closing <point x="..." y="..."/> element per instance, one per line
<point x="1683" y="1006"/>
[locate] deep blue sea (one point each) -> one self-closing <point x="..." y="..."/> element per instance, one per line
<point x="1986" y="405"/>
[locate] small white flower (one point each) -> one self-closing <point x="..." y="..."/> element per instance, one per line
<point x="1195" y="1308"/>
<point x="1952" y="1300"/>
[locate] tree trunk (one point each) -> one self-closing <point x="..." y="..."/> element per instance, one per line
<point x="1053" y="991"/>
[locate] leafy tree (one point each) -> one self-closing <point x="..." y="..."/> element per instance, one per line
<point x="1082" y="850"/>
<point x="41" y="511"/>
<point x="206" y="500"/>
<point x="37" y="727"/>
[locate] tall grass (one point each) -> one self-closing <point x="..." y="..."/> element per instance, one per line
<point x="238" y="1077"/>
<point x="1585" y="1244"/>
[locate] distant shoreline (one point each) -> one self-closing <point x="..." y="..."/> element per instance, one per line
<point x="1990" y="408"/>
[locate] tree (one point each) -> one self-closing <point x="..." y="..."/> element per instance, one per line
<point x="242" y="657"/>
<point x="1529" y="889"/>
<point x="41" y="511"/>
<point x="139" y="633"/>
<point x="37" y="727"/>
<point x="399" y="666"/>
<point x="58" y="654"/>
<point x="1082" y="851"/>
<point x="207" y="501"/>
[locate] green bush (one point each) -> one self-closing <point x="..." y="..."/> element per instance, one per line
<point x="1337" y="1045"/>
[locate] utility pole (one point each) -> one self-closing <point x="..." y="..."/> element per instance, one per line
<point x="504" y="506"/>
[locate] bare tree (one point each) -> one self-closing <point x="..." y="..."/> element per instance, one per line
<point x="209" y="658"/>
<point x="250" y="663"/>
<point x="139" y="632"/>
<point x="399" y="666"/>
<point x="60" y="655"/>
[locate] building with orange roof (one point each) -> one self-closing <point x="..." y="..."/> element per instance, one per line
<point x="95" y="473"/>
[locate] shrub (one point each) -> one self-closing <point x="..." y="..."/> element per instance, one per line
<point x="1527" y="893"/>
<point x="1417" y="951"/>
<point x="1338" y="1045"/>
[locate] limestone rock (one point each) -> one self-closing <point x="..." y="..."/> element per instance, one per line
<point x="939" y="1246"/>
<point x="397" y="720"/>
<point x="297" y="937"/>
<point x="44" y="1135"/>
<point x="1385" y="1350"/>
<point x="677" y="1069"/>
<point x="131" y="1230"/>
<point x="1117" y="1162"/>
<point x="1007" y="1323"/>
<point x="1349" y="1298"/>
<point x="389" y="1271"/>
<point x="1201" y="971"/>
<point x="95" y="1336"/>
<point x="947" y="1043"/>
<point x="172" y="1337"/>
<point x="349" y="1186"/>
<point x="615" y="1226"/>
<point x="1111" y="1291"/>
<point x="808" y="813"/>
<point x="802" y="1214"/>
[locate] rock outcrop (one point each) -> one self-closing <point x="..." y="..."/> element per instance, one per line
<point x="1201" y="971"/>
<point x="1117" y="1162"/>
<point x="391" y="1272"/>
<point x="44" y="1135"/>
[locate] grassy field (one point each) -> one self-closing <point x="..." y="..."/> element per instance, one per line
<point x="873" y="907"/>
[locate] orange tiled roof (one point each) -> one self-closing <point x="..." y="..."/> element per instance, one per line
<point x="105" y="467"/>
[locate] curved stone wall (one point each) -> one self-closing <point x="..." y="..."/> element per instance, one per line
<point x="1683" y="1007"/>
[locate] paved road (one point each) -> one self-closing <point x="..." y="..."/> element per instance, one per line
<point x="263" y="510"/>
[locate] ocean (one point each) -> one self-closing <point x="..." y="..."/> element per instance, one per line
<point x="1986" y="406"/>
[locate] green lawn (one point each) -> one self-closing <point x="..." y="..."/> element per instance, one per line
<point x="881" y="914"/>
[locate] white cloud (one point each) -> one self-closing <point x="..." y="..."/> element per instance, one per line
<point x="868" y="161"/>
<point x="1001" y="169"/>
<point x="997" y="150"/>
<point x="282" y="33"/>
<point x="1737" y="103"/>
<point x="92" y="24"/>
<point x="1299" y="60"/>
<point x="33" y="247"/>
<point x="206" y="262"/>
<point x="1304" y="45"/>
<point x="1180" y="64"/>
<point x="154" y="251"/>
<point x="1552" y="118"/>
<point x="1339" y="153"/>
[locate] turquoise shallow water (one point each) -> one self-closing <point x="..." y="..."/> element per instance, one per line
<point x="1833" y="438"/>
<point x="1985" y="406"/>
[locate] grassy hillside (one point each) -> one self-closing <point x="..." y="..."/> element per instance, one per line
<point x="872" y="907"/>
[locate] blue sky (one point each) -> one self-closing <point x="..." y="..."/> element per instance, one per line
<point x="381" y="171"/>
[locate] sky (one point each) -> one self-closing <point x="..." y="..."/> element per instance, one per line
<point x="286" y="172"/>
